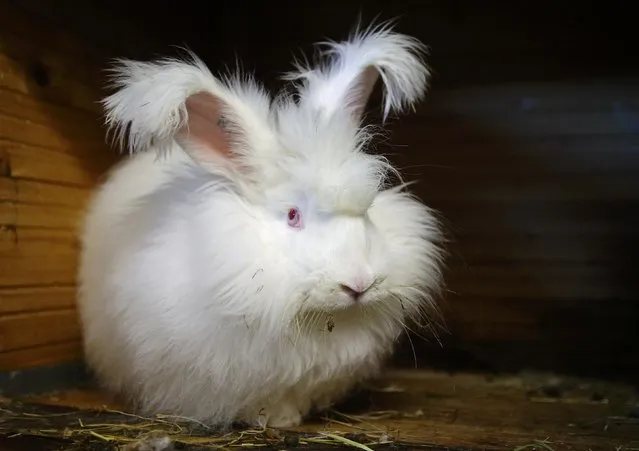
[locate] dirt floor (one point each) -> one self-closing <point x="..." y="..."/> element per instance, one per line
<point x="403" y="410"/>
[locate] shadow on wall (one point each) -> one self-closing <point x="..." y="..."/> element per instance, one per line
<point x="537" y="184"/>
<point x="52" y="95"/>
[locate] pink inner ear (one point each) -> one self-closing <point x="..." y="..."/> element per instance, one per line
<point x="205" y="111"/>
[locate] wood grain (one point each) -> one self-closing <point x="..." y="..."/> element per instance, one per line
<point x="27" y="330"/>
<point x="79" y="124"/>
<point x="521" y="189"/>
<point x="529" y="125"/>
<point x="538" y="194"/>
<point x="34" y="299"/>
<point x="43" y="216"/>
<point x="24" y="162"/>
<point x="52" y="152"/>
<point x="64" y="58"/>
<point x="614" y="95"/>
<point x="24" y="131"/>
<point x="87" y="143"/>
<point x="42" y="193"/>
<point x="37" y="257"/>
<point x="44" y="355"/>
<point x="53" y="85"/>
<point x="550" y="249"/>
<point x="525" y="280"/>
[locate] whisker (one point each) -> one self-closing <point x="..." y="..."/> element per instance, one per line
<point x="398" y="298"/>
<point x="412" y="347"/>
<point x="389" y="313"/>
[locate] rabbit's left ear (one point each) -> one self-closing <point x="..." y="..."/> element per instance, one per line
<point x="222" y="124"/>
<point x="346" y="81"/>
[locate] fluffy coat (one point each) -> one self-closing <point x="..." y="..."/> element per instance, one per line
<point x="249" y="261"/>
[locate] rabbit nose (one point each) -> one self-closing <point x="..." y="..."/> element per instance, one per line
<point x="358" y="287"/>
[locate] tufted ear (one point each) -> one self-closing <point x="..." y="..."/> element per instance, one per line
<point x="205" y="134"/>
<point x="160" y="104"/>
<point x="204" y="125"/>
<point x="346" y="80"/>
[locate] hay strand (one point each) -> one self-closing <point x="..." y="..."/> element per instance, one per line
<point x="129" y="431"/>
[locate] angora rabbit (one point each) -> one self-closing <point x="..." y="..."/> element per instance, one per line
<point x="249" y="261"/>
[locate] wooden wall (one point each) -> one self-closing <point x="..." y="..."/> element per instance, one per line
<point x="528" y="145"/>
<point x="538" y="184"/>
<point x="51" y="153"/>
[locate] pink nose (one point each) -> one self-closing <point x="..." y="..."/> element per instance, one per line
<point x="357" y="288"/>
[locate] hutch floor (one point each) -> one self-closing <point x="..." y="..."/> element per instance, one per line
<point x="403" y="410"/>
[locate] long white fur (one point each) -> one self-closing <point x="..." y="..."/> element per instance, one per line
<point x="197" y="299"/>
<point x="148" y="109"/>
<point x="396" y="57"/>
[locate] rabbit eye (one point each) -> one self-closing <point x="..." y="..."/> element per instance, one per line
<point x="294" y="218"/>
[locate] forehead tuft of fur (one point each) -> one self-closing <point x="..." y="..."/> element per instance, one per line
<point x="329" y="158"/>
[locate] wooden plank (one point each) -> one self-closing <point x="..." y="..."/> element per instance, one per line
<point x="572" y="248"/>
<point x="42" y="193"/>
<point x="19" y="39"/>
<point x="31" y="299"/>
<point x="42" y="80"/>
<point x="30" y="239"/>
<point x="25" y="132"/>
<point x="528" y="125"/>
<point x="520" y="386"/>
<point x="461" y="70"/>
<point x="80" y="399"/>
<point x="38" y="163"/>
<point x="525" y="281"/>
<point x="617" y="96"/>
<point x="478" y="331"/>
<point x="539" y="312"/>
<point x="430" y="156"/>
<point x="90" y="144"/>
<point x="479" y="148"/>
<point x="515" y="187"/>
<point x="74" y="124"/>
<point x="37" y="257"/>
<point x="542" y="317"/>
<point x="28" y="330"/>
<point x="48" y="354"/>
<point x="571" y="167"/>
<point x="45" y="216"/>
<point x="14" y="75"/>
<point x="580" y="353"/>
<point x="536" y="217"/>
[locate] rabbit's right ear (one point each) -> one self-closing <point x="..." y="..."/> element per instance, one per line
<point x="343" y="82"/>
<point x="157" y="104"/>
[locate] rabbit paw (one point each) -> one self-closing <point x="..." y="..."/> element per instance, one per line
<point x="283" y="415"/>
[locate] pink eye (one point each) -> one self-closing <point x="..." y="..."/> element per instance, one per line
<point x="294" y="218"/>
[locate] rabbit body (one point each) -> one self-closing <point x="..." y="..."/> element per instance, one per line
<point x="254" y="268"/>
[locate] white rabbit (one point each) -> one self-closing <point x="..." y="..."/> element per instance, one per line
<point x="249" y="261"/>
